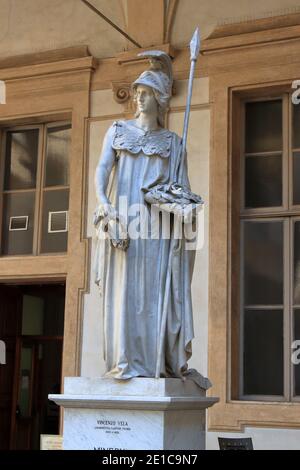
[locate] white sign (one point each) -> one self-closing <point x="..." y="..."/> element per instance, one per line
<point x="2" y="92"/>
<point x="51" y="442"/>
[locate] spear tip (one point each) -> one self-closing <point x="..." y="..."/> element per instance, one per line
<point x="195" y="44"/>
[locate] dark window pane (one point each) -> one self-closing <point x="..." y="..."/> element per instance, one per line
<point x="32" y="315"/>
<point x="43" y="313"/>
<point x="296" y="126"/>
<point x="54" y="311"/>
<point x="26" y="378"/>
<point x="297" y="338"/>
<point x="17" y="242"/>
<point x="263" y="263"/>
<point x="264" y="126"/>
<point x="297" y="263"/>
<point x="21" y="159"/>
<point x="57" y="157"/>
<point x="263" y="181"/>
<point x="54" y="201"/>
<point x="296" y="178"/>
<point x="263" y="352"/>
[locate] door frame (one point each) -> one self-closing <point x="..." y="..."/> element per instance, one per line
<point x="35" y="339"/>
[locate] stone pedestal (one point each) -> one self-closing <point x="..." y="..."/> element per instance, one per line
<point x="141" y="413"/>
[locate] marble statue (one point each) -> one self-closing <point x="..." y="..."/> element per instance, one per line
<point x="145" y="282"/>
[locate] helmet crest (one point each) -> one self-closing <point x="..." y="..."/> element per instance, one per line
<point x="159" y="75"/>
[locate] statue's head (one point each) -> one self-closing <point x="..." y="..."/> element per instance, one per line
<point x="159" y="79"/>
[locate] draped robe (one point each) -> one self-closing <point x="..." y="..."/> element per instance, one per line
<point x="146" y="290"/>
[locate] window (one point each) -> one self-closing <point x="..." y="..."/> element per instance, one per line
<point x="269" y="227"/>
<point x="35" y="189"/>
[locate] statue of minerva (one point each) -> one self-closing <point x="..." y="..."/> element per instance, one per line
<point x="145" y="281"/>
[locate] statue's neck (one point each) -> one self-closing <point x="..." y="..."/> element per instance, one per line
<point x="147" y="122"/>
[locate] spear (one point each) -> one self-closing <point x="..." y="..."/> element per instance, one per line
<point x="195" y="49"/>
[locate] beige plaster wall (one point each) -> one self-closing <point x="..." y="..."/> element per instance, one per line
<point x="207" y="14"/>
<point x="28" y="26"/>
<point x="92" y="357"/>
<point x="102" y="105"/>
<point x="198" y="162"/>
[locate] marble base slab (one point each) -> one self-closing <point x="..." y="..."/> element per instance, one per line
<point x="136" y="414"/>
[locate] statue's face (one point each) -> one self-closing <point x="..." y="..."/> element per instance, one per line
<point x="145" y="100"/>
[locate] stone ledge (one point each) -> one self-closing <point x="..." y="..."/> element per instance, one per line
<point x="133" y="402"/>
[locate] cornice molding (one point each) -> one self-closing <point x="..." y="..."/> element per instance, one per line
<point x="56" y="55"/>
<point x="253" y="33"/>
<point x="229" y="48"/>
<point x="255" y="25"/>
<point x="50" y="68"/>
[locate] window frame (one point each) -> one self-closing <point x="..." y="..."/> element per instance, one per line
<point x="40" y="187"/>
<point x="285" y="310"/>
<point x="288" y="213"/>
<point x="293" y="219"/>
<point x="237" y="72"/>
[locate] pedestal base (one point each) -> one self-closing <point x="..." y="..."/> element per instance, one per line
<point x="141" y="413"/>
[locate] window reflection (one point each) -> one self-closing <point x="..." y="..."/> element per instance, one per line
<point x="57" y="156"/>
<point x="21" y="159"/>
<point x="264" y="126"/>
<point x="263" y="263"/>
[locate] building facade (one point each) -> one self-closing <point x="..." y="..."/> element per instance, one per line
<point x="67" y="76"/>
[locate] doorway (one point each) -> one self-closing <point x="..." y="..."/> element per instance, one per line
<point x="31" y="325"/>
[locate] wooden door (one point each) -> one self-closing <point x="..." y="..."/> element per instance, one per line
<point x="39" y="373"/>
<point x="24" y="404"/>
<point x="31" y="325"/>
<point x="10" y="324"/>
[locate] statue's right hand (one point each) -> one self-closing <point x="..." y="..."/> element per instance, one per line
<point x="110" y="212"/>
<point x="105" y="213"/>
<point x="113" y="224"/>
